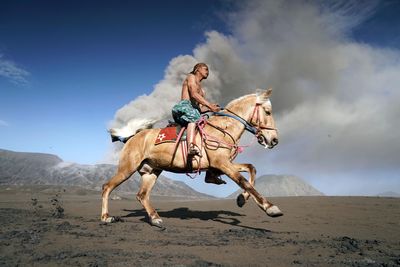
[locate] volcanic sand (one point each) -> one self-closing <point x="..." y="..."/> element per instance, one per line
<point x="55" y="226"/>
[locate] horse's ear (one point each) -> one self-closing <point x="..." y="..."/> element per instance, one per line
<point x="263" y="95"/>
<point x="268" y="92"/>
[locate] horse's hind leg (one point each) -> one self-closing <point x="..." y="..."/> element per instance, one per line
<point x="149" y="178"/>
<point x="125" y="169"/>
<point x="263" y="203"/>
<point x="243" y="197"/>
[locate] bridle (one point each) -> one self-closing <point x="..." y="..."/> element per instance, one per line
<point x="256" y="113"/>
<point x="255" y="129"/>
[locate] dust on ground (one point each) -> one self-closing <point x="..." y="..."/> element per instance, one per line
<point x="49" y="226"/>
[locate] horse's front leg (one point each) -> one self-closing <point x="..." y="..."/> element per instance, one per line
<point x="243" y="197"/>
<point x="230" y="170"/>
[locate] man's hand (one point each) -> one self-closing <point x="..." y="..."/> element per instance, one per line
<point x="215" y="107"/>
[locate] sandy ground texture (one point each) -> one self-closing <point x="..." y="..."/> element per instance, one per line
<point x="46" y="226"/>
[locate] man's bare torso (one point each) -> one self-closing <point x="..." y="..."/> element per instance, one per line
<point x="185" y="90"/>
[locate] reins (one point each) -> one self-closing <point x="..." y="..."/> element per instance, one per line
<point x="209" y="139"/>
<point x="247" y="124"/>
<point x="255" y="130"/>
<point x="212" y="142"/>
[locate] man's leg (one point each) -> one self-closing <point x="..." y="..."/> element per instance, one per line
<point x="213" y="177"/>
<point x="193" y="150"/>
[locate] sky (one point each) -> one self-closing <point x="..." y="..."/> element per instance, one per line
<point x="70" y="70"/>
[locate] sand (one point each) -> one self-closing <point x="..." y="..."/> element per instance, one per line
<point x="49" y="226"/>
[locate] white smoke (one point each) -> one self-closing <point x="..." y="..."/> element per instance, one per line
<point x="158" y="104"/>
<point x="335" y="100"/>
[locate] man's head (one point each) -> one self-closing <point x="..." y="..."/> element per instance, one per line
<point x="202" y="68"/>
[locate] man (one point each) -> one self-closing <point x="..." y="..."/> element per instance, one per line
<point x="192" y="103"/>
<point x="188" y="110"/>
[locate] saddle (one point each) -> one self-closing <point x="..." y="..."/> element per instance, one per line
<point x="175" y="133"/>
<point x="170" y="134"/>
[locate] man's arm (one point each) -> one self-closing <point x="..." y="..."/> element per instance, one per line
<point x="193" y="89"/>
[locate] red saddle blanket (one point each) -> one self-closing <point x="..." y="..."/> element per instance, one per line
<point x="168" y="134"/>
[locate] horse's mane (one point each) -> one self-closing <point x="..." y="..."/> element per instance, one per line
<point x="234" y="101"/>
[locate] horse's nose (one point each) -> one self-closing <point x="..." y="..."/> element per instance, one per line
<point x="274" y="141"/>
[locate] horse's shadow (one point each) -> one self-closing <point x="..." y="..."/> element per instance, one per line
<point x="184" y="213"/>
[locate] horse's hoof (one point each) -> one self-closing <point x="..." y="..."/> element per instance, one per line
<point x="110" y="219"/>
<point x="240" y="200"/>
<point x="274" y="211"/>
<point x="157" y="223"/>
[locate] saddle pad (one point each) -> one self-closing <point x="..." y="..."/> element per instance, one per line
<point x="166" y="135"/>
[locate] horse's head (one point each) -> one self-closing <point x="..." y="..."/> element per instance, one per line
<point x="254" y="111"/>
<point x="261" y="118"/>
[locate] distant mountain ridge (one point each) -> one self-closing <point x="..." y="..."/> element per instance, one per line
<point x="388" y="194"/>
<point x="282" y="186"/>
<point x="22" y="168"/>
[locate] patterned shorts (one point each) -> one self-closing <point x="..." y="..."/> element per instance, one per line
<point x="184" y="112"/>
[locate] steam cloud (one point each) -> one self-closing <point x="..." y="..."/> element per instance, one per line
<point x="335" y="100"/>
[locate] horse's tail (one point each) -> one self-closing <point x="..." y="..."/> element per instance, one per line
<point x="130" y="129"/>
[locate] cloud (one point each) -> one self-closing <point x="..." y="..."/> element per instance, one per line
<point x="158" y="104"/>
<point x="336" y="101"/>
<point x="10" y="71"/>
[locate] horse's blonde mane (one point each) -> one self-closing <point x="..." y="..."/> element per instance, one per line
<point x="234" y="101"/>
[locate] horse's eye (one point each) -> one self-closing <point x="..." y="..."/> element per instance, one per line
<point x="267" y="112"/>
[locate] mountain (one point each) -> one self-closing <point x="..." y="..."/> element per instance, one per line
<point x="281" y="186"/>
<point x="20" y="168"/>
<point x="388" y="194"/>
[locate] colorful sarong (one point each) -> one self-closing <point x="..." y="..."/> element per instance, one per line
<point x="184" y="112"/>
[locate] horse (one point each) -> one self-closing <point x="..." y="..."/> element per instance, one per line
<point x="219" y="136"/>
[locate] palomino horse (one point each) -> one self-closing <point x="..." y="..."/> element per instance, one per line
<point x="221" y="134"/>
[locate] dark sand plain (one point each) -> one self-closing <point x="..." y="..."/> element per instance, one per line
<point x="55" y="226"/>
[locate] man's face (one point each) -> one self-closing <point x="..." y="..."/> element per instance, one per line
<point x="204" y="71"/>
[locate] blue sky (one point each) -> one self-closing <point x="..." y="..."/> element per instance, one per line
<point x="85" y="60"/>
<point x="66" y="67"/>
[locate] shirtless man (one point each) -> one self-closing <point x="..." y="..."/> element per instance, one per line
<point x="192" y="103"/>
<point x="188" y="110"/>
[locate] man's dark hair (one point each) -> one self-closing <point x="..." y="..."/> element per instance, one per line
<point x="197" y="66"/>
